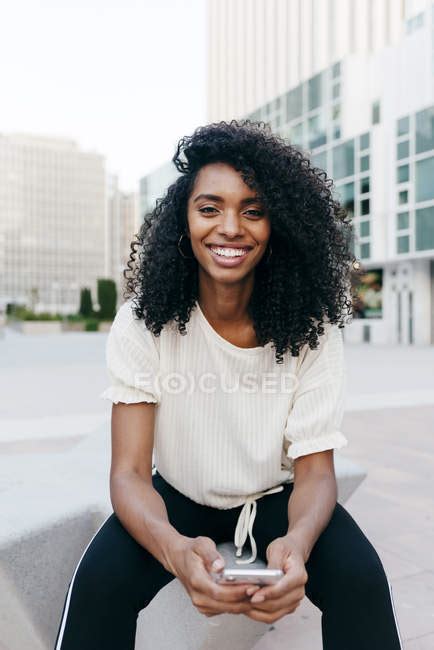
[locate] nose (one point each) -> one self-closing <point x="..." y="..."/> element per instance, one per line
<point x="230" y="224"/>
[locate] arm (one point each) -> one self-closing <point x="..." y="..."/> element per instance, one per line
<point x="139" y="507"/>
<point x="312" y="500"/>
<point x="310" y="507"/>
<point x="142" y="512"/>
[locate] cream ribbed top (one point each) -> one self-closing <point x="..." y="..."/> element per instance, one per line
<point x="229" y="421"/>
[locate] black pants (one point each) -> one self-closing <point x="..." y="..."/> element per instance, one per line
<point x="116" y="577"/>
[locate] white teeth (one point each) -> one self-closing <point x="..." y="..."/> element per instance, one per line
<point x="229" y="252"/>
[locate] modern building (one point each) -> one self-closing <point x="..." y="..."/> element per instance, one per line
<point x="154" y="185"/>
<point x="121" y="225"/>
<point x="52" y="222"/>
<point x="352" y="84"/>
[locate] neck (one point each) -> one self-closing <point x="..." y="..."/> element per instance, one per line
<point x="225" y="302"/>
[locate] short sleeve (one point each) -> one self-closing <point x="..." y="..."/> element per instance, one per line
<point x="132" y="360"/>
<point x="315" y="419"/>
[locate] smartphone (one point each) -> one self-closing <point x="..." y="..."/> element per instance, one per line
<point x="252" y="576"/>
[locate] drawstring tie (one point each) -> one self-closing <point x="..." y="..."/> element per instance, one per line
<point x="245" y="524"/>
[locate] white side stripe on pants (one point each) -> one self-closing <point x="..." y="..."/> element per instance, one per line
<point x="394" y="615"/>
<point x="68" y="598"/>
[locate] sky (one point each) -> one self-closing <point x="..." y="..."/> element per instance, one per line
<point x="121" y="77"/>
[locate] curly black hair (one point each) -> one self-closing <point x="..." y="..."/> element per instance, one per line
<point x="308" y="278"/>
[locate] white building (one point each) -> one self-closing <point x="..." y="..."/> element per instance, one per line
<point x="154" y="185"/>
<point x="52" y="214"/>
<point x="352" y="83"/>
<point x="121" y="225"/>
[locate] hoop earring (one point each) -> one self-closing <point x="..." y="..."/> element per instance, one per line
<point x="186" y="257"/>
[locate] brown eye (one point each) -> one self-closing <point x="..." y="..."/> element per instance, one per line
<point x="207" y="208"/>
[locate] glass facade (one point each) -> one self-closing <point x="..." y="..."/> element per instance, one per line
<point x="309" y="116"/>
<point x="376" y="112"/>
<point x="403" y="150"/>
<point x="343" y="160"/>
<point x="425" y="229"/>
<point x="415" y="143"/>
<point x="425" y="179"/>
<point x="425" y="130"/>
<point x="403" y="174"/>
<point x="403" y="220"/>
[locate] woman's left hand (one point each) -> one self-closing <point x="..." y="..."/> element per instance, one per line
<point x="271" y="602"/>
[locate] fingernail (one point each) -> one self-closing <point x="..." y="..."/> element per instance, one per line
<point x="251" y="590"/>
<point x="217" y="564"/>
<point x="257" y="598"/>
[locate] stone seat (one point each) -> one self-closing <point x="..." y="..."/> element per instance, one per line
<point x="50" y="512"/>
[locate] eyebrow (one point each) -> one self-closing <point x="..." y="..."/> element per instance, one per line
<point x="215" y="197"/>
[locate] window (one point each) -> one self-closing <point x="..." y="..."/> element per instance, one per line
<point x="403" y="174"/>
<point x="376" y="112"/>
<point x="364" y="185"/>
<point x="343" y="159"/>
<point x="403" y="126"/>
<point x="294" y="103"/>
<point x="403" y="197"/>
<point x="336" y="70"/>
<point x="365" y="228"/>
<point x="364" y="206"/>
<point x="403" y="220"/>
<point x="317" y="132"/>
<point x="297" y="133"/>
<point x="424" y="179"/>
<point x="314" y="92"/>
<point x="346" y="194"/>
<point x="320" y="160"/>
<point x="365" y="250"/>
<point x="336" y="132"/>
<point x="425" y="229"/>
<point x="403" y="244"/>
<point x="364" y="163"/>
<point x="364" y="141"/>
<point x="336" y="91"/>
<point x="403" y="150"/>
<point x="425" y="130"/>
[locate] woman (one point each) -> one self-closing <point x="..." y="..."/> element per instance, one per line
<point x="226" y="362"/>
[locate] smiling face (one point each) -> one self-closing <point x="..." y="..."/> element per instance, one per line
<point x="229" y="228"/>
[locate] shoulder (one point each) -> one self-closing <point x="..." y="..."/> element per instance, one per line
<point x="126" y="325"/>
<point x="329" y="348"/>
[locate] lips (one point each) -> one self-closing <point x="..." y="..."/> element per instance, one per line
<point x="241" y="246"/>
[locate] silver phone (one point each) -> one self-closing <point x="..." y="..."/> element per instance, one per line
<point x="252" y="576"/>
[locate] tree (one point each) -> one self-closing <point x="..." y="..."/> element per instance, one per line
<point x="86" y="307"/>
<point x="107" y="298"/>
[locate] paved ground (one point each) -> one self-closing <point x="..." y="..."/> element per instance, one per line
<point x="395" y="509"/>
<point x="50" y="387"/>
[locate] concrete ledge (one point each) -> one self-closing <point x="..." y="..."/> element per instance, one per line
<point x="46" y="526"/>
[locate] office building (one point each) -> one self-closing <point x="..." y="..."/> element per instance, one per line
<point x="352" y="84"/>
<point x="121" y="225"/>
<point x="52" y="222"/>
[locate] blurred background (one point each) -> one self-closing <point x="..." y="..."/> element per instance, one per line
<point x="94" y="97"/>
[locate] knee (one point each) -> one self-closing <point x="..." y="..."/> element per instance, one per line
<point x="361" y="573"/>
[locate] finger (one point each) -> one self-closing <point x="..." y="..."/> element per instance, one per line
<point x="220" y="607"/>
<point x="282" y="586"/>
<point x="276" y="556"/>
<point x="203" y="583"/>
<point x="267" y="617"/>
<point x="206" y="548"/>
<point x="252" y="589"/>
<point x="292" y="599"/>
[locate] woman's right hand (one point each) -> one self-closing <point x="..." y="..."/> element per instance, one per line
<point x="191" y="559"/>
